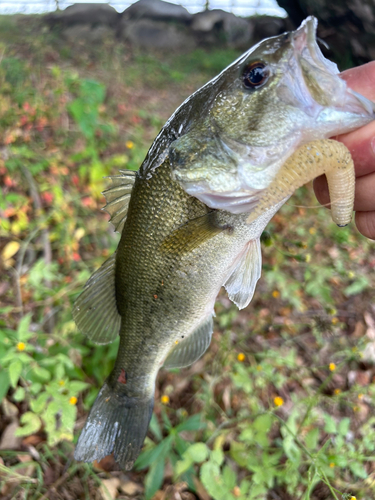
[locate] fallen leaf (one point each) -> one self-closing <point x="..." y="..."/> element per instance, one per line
<point x="371" y="326"/>
<point x="9" y="250"/>
<point x="108" y="488"/>
<point x="10" y="410"/>
<point x="8" y="440"/>
<point x="32" y="440"/>
<point x="28" y="470"/>
<point x="106" y="464"/>
<point x="130" y="488"/>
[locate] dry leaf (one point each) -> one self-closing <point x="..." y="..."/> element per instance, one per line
<point x="108" y="488"/>
<point x="130" y="488"/>
<point x="8" y="440"/>
<point x="9" y="250"/>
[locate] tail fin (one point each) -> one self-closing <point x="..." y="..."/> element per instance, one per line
<point x="116" y="423"/>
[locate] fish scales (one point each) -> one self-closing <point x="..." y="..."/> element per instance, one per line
<point x="222" y="165"/>
<point x="164" y="293"/>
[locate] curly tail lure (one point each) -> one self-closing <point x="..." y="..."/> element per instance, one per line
<point x="315" y="158"/>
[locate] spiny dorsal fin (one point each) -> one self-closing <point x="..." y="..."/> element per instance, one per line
<point x="245" y="274"/>
<point x="191" y="348"/>
<point x="118" y="198"/>
<point x="95" y="311"/>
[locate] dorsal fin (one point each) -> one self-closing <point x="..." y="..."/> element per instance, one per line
<point x="95" y="311"/>
<point x="245" y="274"/>
<point x="118" y="198"/>
<point x="191" y="348"/>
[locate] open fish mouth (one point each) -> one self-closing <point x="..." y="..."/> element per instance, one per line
<point x="321" y="77"/>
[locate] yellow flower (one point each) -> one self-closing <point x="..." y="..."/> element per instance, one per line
<point x="353" y="498"/>
<point x="241" y="357"/>
<point x="337" y="391"/>
<point x="275" y="294"/>
<point x="360" y="396"/>
<point x="335" y="320"/>
<point x="278" y="401"/>
<point x="332" y="367"/>
<point x="21" y="346"/>
<point x="332" y="464"/>
<point x="307" y="257"/>
<point x="61" y="382"/>
<point x="351" y="275"/>
<point x="312" y="230"/>
<point x="73" y="400"/>
<point x="129" y="144"/>
<point x="236" y="491"/>
<point x="165" y="399"/>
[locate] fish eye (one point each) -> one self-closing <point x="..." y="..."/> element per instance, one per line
<point x="255" y="75"/>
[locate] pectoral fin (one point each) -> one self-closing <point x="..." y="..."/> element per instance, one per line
<point x="190" y="349"/>
<point x="95" y="311"/>
<point x="192" y="234"/>
<point x="246" y="272"/>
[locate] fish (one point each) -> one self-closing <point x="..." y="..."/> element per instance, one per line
<point x="192" y="216"/>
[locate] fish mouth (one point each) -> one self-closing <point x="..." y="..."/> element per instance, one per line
<point x="322" y="79"/>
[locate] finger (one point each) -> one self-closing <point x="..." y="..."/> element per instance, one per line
<point x="361" y="144"/>
<point x="321" y="190"/>
<point x="365" y="222"/>
<point x="361" y="79"/>
<point x="364" y="192"/>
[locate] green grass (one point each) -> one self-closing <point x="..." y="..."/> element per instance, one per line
<point x="281" y="404"/>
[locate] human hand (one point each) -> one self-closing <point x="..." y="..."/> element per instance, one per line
<point x="361" y="144"/>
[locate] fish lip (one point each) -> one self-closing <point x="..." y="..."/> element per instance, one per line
<point x="305" y="35"/>
<point x="305" y="38"/>
<point x="305" y="46"/>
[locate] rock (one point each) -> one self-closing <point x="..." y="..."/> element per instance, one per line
<point x="220" y="26"/>
<point x="266" y="26"/>
<point x="85" y="13"/>
<point x="86" y="33"/>
<point x="157" y="35"/>
<point x="157" y="9"/>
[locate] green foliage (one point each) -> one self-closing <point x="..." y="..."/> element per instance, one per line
<point x="43" y="382"/>
<point x="171" y="448"/>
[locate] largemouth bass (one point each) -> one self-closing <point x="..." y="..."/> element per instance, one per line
<point x="191" y="219"/>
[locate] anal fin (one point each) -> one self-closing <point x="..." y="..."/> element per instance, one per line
<point x="95" y="311"/>
<point x="190" y="349"/>
<point x="245" y="274"/>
